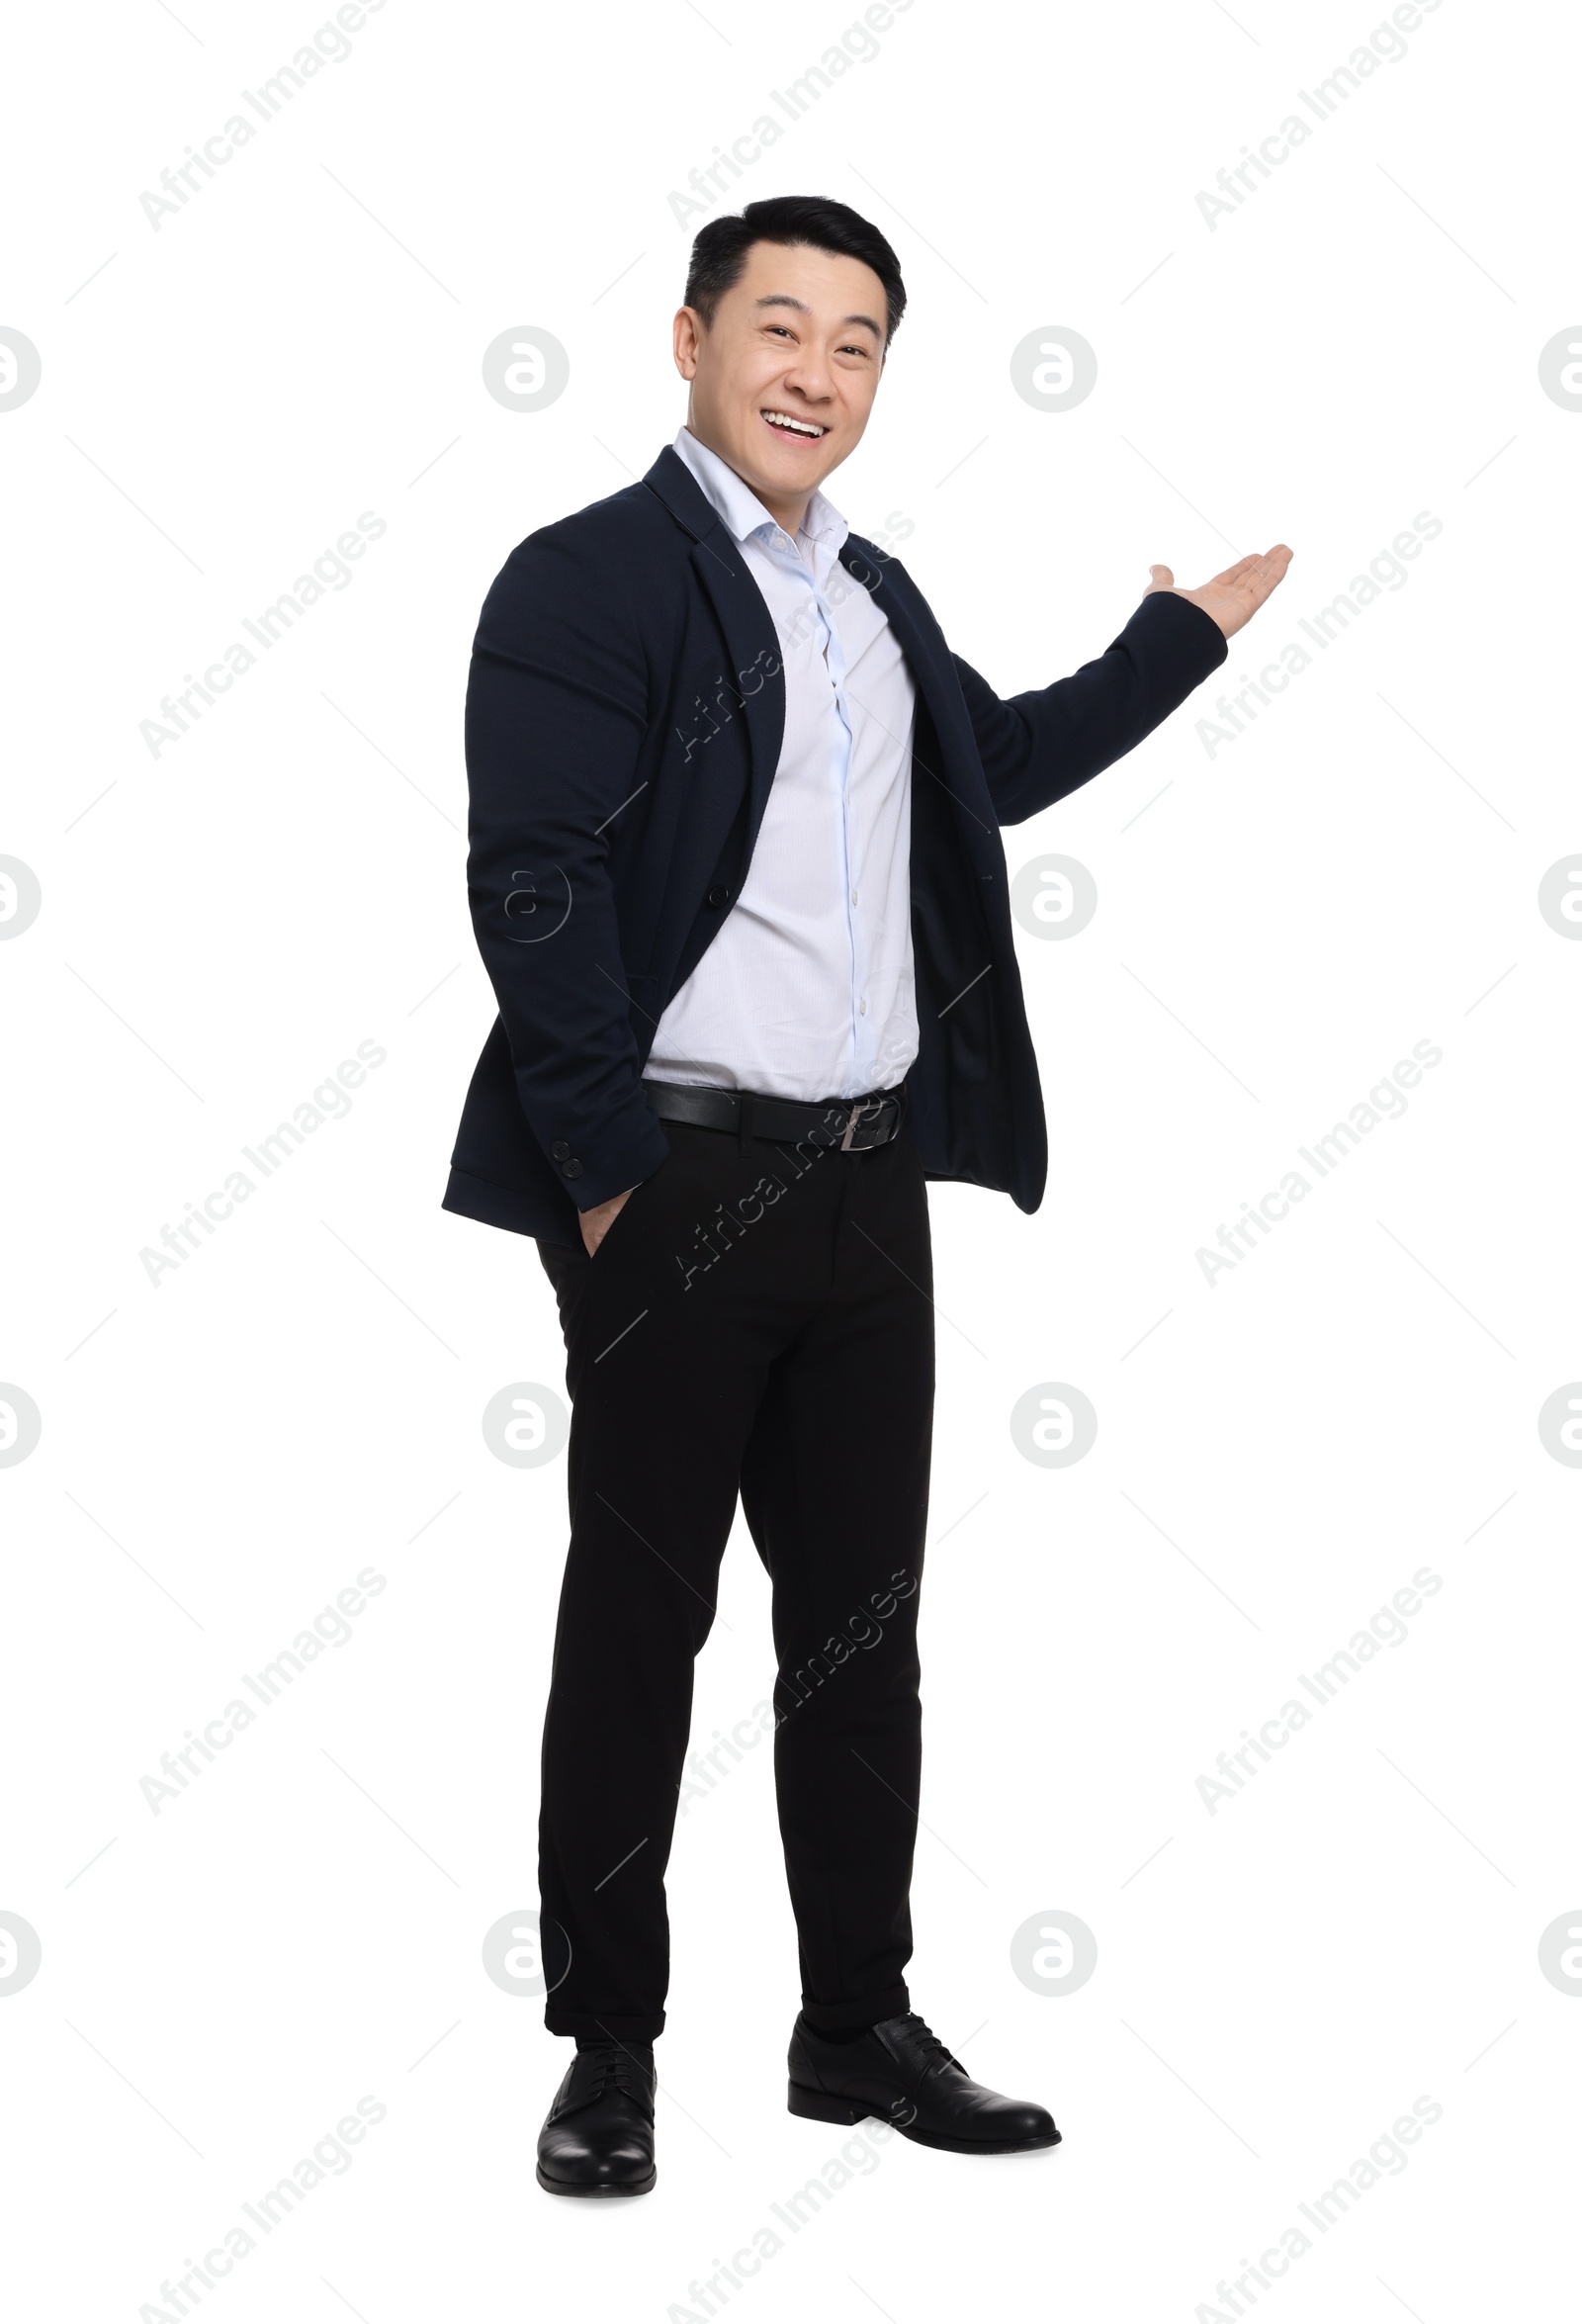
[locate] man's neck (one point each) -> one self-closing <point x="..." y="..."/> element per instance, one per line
<point x="789" y="515"/>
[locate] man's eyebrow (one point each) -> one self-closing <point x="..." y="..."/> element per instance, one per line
<point x="784" y="299"/>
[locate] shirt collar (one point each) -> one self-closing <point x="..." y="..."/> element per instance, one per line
<point x="740" y="509"/>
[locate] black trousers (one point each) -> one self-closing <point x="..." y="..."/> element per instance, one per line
<point x="758" y="1319"/>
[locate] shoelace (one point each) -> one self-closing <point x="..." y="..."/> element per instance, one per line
<point x="610" y="2063"/>
<point x="936" y="2053"/>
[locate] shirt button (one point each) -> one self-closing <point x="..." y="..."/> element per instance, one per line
<point x="571" y="1169"/>
<point x="559" y="1150"/>
<point x="853" y="895"/>
<point x="862" y="1008"/>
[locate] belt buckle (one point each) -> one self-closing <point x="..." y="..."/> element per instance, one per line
<point x="859" y="1107"/>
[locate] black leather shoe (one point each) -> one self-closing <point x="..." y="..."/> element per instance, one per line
<point x="903" y="2073"/>
<point x="598" y="2135"/>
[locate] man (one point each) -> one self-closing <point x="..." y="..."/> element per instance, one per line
<point x="736" y="875"/>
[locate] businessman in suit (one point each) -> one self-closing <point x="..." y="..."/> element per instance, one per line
<point x="736" y="875"/>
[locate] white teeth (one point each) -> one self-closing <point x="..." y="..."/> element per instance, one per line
<point x="803" y="427"/>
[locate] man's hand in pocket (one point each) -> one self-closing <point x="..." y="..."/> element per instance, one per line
<point x="597" y="1223"/>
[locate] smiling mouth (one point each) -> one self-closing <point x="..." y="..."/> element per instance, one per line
<point x="797" y="431"/>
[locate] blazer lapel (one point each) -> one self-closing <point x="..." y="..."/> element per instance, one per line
<point x="928" y="658"/>
<point x="754" y="648"/>
<point x="752" y="688"/>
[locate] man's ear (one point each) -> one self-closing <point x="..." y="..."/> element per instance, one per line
<point x="686" y="333"/>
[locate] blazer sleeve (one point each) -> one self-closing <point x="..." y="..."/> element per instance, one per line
<point x="1038" y="747"/>
<point x="557" y="711"/>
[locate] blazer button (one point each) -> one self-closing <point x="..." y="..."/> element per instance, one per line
<point x="559" y="1150"/>
<point x="571" y="1169"/>
<point x="719" y="896"/>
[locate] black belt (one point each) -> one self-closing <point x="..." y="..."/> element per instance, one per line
<point x="851" y="1123"/>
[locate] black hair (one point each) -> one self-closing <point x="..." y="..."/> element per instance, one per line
<point x="719" y="249"/>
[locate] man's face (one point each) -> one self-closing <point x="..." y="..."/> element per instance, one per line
<point x="800" y="338"/>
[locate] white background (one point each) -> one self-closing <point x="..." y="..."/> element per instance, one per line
<point x="1277" y="924"/>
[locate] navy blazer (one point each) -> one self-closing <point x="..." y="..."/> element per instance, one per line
<point x="624" y="717"/>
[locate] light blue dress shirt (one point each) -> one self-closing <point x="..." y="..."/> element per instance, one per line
<point x="807" y="991"/>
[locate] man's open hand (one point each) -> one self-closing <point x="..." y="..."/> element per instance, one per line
<point x="1233" y="596"/>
